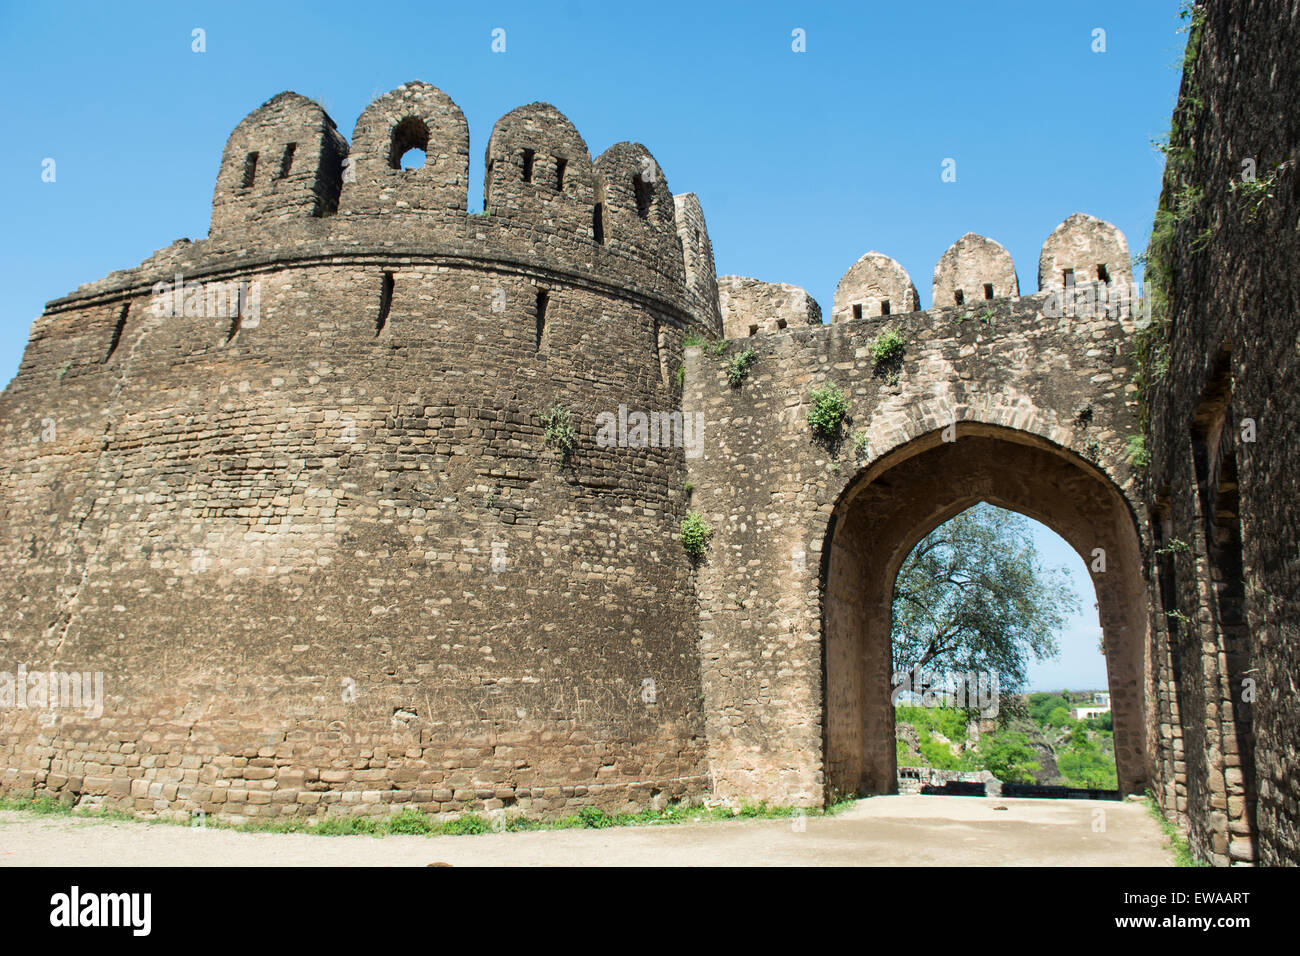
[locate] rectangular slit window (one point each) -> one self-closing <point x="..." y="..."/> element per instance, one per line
<point x="988" y="290"/>
<point x="661" y="351"/>
<point x="286" y="161"/>
<point x="780" y="323"/>
<point x="959" y="297"/>
<point x="598" y="223"/>
<point x="857" y="311"/>
<point x="560" y="165"/>
<point x="643" y="195"/>
<point x="1102" y="274"/>
<point x="117" y="330"/>
<point x="385" y="302"/>
<point x="250" y="169"/>
<point x="1068" y="277"/>
<point x="528" y="165"/>
<point x="238" y="321"/>
<point x="884" y="307"/>
<point x="753" y="330"/>
<point x="543" y="299"/>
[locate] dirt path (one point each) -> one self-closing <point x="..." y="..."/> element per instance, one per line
<point x="881" y="831"/>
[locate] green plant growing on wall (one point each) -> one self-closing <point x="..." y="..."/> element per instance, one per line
<point x="1255" y="192"/>
<point x="829" y="408"/>
<point x="679" y="376"/>
<point x="738" y="366"/>
<point x="860" y="444"/>
<point x="887" y="348"/>
<point x="1183" y="855"/>
<point x="558" y="429"/>
<point x="887" y="355"/>
<point x="1180" y="203"/>
<point x="695" y="535"/>
<point x="717" y="348"/>
<point x="1135" y="449"/>
<point x="1175" y="546"/>
<point x="693" y="338"/>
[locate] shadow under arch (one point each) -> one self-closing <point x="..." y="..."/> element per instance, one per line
<point x="899" y="499"/>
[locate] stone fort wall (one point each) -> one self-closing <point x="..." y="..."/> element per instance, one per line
<point x="316" y="540"/>
<point x="1225" y="442"/>
<point x="1039" y="403"/>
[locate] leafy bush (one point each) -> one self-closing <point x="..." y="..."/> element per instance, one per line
<point x="595" y="818"/>
<point x="559" y="431"/>
<point x="937" y="754"/>
<point x="829" y="409"/>
<point x="860" y="444"/>
<point x="411" y="821"/>
<point x="1104" y="722"/>
<point x="466" y="823"/>
<point x="887" y="348"/>
<point x="695" y="534"/>
<point x="1059" y="717"/>
<point x="1009" y="757"/>
<point x="1041" y="704"/>
<point x="1135" y="448"/>
<point x="738" y="366"/>
<point x="949" y="721"/>
<point x="1083" y="764"/>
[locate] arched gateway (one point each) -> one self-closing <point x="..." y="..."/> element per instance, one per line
<point x="1022" y="402"/>
<point x="892" y="504"/>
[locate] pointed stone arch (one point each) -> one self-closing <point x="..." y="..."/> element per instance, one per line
<point x="899" y="498"/>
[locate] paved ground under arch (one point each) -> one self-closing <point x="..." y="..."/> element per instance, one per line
<point x="903" y="830"/>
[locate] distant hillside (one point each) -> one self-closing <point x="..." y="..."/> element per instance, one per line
<point x="1033" y="740"/>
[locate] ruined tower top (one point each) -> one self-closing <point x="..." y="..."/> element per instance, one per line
<point x="290" y="186"/>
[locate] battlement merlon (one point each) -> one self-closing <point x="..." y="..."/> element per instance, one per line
<point x="291" y="190"/>
<point x="1082" y="251"/>
<point x="751" y="306"/>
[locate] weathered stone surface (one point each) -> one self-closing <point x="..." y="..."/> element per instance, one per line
<point x="794" y="634"/>
<point x="316" y="541"/>
<point x="284" y="161"/>
<point x="1222" y="497"/>
<point x="750" y="306"/>
<point x="1083" y="249"/>
<point x="974" y="268"/>
<point x="310" y="527"/>
<point x="874" y="285"/>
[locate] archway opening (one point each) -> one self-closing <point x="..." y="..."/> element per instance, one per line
<point x="409" y="144"/>
<point x="900" y="499"/>
<point x="998" y="665"/>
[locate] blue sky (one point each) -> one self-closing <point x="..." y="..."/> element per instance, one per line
<point x="1080" y="664"/>
<point x="802" y="161"/>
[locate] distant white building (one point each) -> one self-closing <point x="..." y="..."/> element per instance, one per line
<point x="1101" y="705"/>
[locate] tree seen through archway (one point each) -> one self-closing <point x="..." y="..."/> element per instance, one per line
<point x="975" y="607"/>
